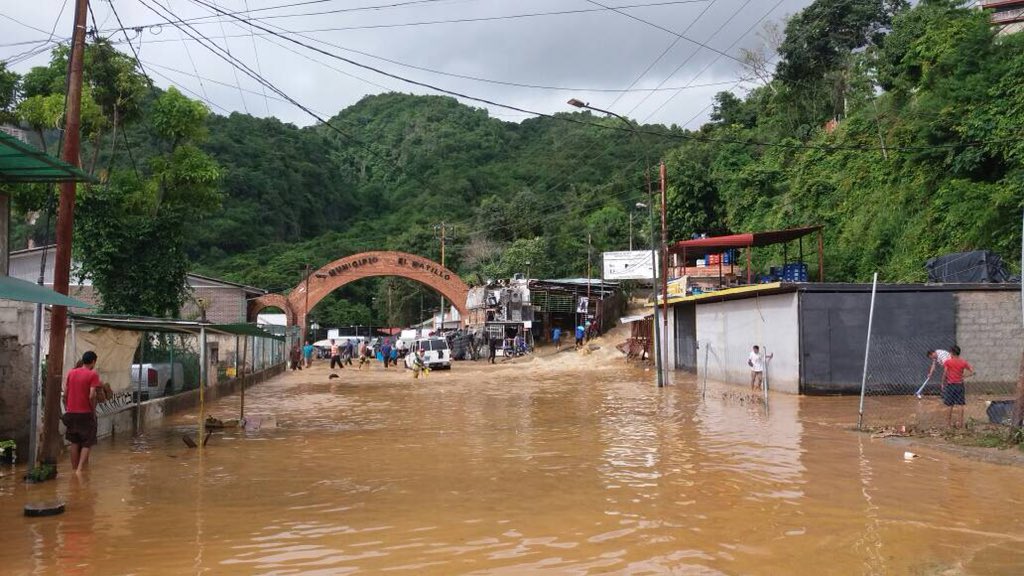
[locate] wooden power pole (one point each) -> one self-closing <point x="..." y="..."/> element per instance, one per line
<point x="50" y="446"/>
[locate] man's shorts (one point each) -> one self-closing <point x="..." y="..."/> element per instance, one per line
<point x="953" y="394"/>
<point x="80" y="428"/>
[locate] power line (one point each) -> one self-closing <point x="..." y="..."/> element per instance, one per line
<point x="571" y="119"/>
<point x="234" y="71"/>
<point x="662" y="28"/>
<point x="449" y="21"/>
<point x="256" y="54"/>
<point x="698" y="75"/>
<point x="310" y="58"/>
<point x="666" y="50"/>
<point x="691" y="56"/>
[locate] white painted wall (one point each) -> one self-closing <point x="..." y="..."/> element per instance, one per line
<point x="732" y="328"/>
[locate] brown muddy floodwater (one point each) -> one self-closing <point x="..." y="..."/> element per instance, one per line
<point x="544" y="467"/>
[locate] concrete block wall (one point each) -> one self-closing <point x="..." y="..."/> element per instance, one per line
<point x="16" y="340"/>
<point x="152" y="413"/>
<point x="991" y="335"/>
<point x="730" y="329"/>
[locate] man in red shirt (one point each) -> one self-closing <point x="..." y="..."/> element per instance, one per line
<point x="953" y="393"/>
<point x="82" y="390"/>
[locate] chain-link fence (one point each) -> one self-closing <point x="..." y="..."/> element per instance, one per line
<point x="906" y="386"/>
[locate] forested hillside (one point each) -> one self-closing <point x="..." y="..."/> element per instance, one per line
<point x="898" y="128"/>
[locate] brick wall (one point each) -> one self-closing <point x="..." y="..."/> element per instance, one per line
<point x="224" y="305"/>
<point x="989" y="331"/>
<point x="15" y="371"/>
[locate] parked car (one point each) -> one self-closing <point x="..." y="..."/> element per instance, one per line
<point x="436" y="353"/>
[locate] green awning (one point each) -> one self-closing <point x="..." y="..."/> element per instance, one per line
<point x="242" y="329"/>
<point x="20" y="162"/>
<point x="148" y="324"/>
<point x="15" y="289"/>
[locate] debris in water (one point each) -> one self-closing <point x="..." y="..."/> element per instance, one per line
<point x="909" y="455"/>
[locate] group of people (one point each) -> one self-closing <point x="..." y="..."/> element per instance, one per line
<point x="583" y="332"/>
<point x="343" y="354"/>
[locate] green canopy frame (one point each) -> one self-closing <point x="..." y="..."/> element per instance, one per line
<point x="20" y="162"/>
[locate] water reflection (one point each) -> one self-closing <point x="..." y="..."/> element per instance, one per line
<point x="517" y="471"/>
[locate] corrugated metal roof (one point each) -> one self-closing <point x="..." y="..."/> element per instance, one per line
<point x="20" y="162"/>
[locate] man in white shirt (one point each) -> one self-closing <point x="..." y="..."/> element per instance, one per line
<point x="938" y="358"/>
<point x="756" y="363"/>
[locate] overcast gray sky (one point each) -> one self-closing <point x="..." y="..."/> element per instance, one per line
<point x="577" y="44"/>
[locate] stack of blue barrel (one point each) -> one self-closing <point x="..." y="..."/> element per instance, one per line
<point x="794" y="272"/>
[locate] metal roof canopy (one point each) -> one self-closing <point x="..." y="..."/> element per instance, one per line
<point x="20" y="290"/>
<point x="751" y="239"/>
<point x="146" y="324"/>
<point x="20" y="162"/>
<point x="745" y="240"/>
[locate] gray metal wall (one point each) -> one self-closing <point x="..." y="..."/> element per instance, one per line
<point x="685" y="337"/>
<point x="833" y="333"/>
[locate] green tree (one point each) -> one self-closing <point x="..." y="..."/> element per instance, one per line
<point x="130" y="234"/>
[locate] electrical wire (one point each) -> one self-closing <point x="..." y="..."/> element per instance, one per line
<point x="234" y="71"/>
<point x="448" y="21"/>
<point x="710" y="64"/>
<point x="677" y="135"/>
<point x="256" y="54"/>
<point x="656" y="26"/>
<point x="690" y="57"/>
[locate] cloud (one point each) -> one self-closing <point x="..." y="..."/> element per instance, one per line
<point x="599" y="50"/>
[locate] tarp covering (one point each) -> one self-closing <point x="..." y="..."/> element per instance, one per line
<point x="718" y="243"/>
<point x="16" y="289"/>
<point x="967" y="267"/>
<point x="115" y="351"/>
<point x="20" y="162"/>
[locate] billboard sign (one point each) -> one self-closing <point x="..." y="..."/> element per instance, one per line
<point x="628" y="265"/>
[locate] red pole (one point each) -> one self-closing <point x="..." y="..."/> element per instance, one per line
<point x="749" y="250"/>
<point x="50" y="446"/>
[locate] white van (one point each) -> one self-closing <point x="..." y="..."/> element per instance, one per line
<point x="436" y="353"/>
<point x="158" y="380"/>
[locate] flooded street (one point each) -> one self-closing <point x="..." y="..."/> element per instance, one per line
<point x="535" y="468"/>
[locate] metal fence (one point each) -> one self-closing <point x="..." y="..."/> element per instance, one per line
<point x="168" y="363"/>
<point x="902" y="384"/>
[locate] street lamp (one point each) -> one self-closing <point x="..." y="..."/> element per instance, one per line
<point x="654" y="252"/>
<point x="639" y="206"/>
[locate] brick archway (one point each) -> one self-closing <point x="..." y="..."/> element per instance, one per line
<point x="271" y="301"/>
<point x="368" y="264"/>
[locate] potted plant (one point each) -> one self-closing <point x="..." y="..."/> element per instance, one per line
<point x="8" y="452"/>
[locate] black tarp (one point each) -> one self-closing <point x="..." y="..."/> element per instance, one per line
<point x="967" y="267"/>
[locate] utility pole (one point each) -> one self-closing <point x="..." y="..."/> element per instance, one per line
<point x="443" y="232"/>
<point x="50" y="445"/>
<point x="664" y="263"/>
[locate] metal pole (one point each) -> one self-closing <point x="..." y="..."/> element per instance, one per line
<point x="867" y="351"/>
<point x="664" y="260"/>
<point x="764" y="381"/>
<point x="704" y="389"/>
<point x="654" y="287"/>
<point x="51" y="444"/>
<point x="202" y="387"/>
<point x="138" y="387"/>
<point x="305" y="307"/>
<point x="33" y="424"/>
